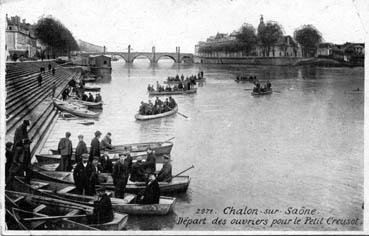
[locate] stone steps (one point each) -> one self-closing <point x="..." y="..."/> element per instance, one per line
<point x="26" y="100"/>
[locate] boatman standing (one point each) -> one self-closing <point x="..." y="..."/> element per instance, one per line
<point x="81" y="148"/>
<point x="65" y="149"/>
<point x="103" y="210"/>
<point x="79" y="176"/>
<point x="165" y="174"/>
<point x="95" y="146"/>
<point x="150" y="164"/>
<point x="152" y="191"/>
<point x="21" y="154"/>
<point x="92" y="176"/>
<point x="120" y="176"/>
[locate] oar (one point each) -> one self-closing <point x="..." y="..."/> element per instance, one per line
<point x="53" y="217"/>
<point x="169" y="139"/>
<point x="182" y="115"/>
<point x="167" y="180"/>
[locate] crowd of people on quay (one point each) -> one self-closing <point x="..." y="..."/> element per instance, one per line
<point x="158" y="107"/>
<point x="87" y="175"/>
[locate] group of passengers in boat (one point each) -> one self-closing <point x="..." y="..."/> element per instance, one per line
<point x="176" y="78"/>
<point x="157" y="107"/>
<point x="90" y="97"/>
<point x="183" y="86"/>
<point x="262" y="89"/>
<point x="250" y="78"/>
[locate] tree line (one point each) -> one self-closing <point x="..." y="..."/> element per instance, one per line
<point x="55" y="36"/>
<point x="266" y="37"/>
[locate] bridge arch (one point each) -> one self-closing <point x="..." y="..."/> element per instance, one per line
<point x="186" y="57"/>
<point x="141" y="55"/>
<point x="122" y="56"/>
<point x="166" y="55"/>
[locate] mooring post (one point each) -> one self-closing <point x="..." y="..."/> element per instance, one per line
<point x="153" y="55"/>
<point x="129" y="54"/>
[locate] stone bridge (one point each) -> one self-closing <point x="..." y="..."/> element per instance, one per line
<point x="153" y="56"/>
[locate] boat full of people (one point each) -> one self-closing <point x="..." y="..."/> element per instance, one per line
<point x="159" y="109"/>
<point x="259" y="90"/>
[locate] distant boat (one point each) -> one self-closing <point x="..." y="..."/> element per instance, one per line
<point x="262" y="93"/>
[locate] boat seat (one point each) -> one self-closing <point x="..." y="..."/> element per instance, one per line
<point x="18" y="199"/>
<point x="67" y="189"/>
<point x="73" y="212"/>
<point x="39" y="208"/>
<point x="38" y="185"/>
<point x="129" y="198"/>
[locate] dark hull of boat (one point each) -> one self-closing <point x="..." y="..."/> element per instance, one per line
<point x="177" y="185"/>
<point x="179" y="92"/>
<point x="157" y="116"/>
<point x="77" y="112"/>
<point x="261" y="93"/>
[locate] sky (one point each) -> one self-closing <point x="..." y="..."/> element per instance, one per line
<point x="166" y="24"/>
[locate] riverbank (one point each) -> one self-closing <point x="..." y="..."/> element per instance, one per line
<point x="275" y="61"/>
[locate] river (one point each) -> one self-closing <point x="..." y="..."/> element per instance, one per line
<point x="302" y="146"/>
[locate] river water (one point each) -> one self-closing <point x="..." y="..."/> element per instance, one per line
<point x="300" y="147"/>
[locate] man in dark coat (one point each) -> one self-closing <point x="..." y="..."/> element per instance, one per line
<point x="49" y="66"/>
<point x="79" y="176"/>
<point x="39" y="80"/>
<point x="80" y="149"/>
<point x="103" y="210"/>
<point x="106" y="142"/>
<point x="106" y="163"/>
<point x="120" y="176"/>
<point x="95" y="146"/>
<point x="165" y="174"/>
<point x="22" y="152"/>
<point x="152" y="191"/>
<point x="138" y="172"/>
<point x="92" y="177"/>
<point x="65" y="149"/>
<point x="53" y="71"/>
<point x="150" y="164"/>
<point x="9" y="158"/>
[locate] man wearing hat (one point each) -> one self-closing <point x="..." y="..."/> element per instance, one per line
<point x="81" y="148"/>
<point x="65" y="149"/>
<point x="79" y="176"/>
<point x="152" y="191"/>
<point x="150" y="164"/>
<point x="138" y="172"/>
<point x="120" y="176"/>
<point x="106" y="165"/>
<point x="106" y="142"/>
<point x="21" y="153"/>
<point x="165" y="174"/>
<point x="103" y="210"/>
<point x="92" y="176"/>
<point x="95" y="145"/>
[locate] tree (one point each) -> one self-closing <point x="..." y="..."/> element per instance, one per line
<point x="55" y="35"/>
<point x="247" y="37"/>
<point x="269" y="35"/>
<point x="309" y="38"/>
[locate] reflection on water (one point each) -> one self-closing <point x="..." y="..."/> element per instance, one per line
<point x="300" y="146"/>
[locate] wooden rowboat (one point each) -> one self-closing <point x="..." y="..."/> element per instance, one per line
<point x="150" y="117"/>
<point x="91" y="105"/>
<point x="74" y="109"/>
<point x="57" y="207"/>
<point x="160" y="148"/>
<point x="178" y="92"/>
<point x="68" y="192"/>
<point x="176" y="185"/>
<point x="261" y="93"/>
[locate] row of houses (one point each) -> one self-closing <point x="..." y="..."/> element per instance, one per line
<point x="21" y="42"/>
<point x="347" y="52"/>
<point x="285" y="47"/>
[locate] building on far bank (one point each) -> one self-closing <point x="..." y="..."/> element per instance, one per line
<point x="285" y="47"/>
<point x="348" y="52"/>
<point x="20" y="40"/>
<point x="100" y="65"/>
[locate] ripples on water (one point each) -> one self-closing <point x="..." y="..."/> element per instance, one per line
<point x="301" y="146"/>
